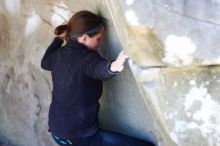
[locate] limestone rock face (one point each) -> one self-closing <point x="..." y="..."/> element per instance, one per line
<point x="167" y="93"/>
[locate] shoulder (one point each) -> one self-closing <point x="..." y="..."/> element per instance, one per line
<point x="91" y="55"/>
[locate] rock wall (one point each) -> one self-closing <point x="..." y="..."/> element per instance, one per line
<point x="168" y="92"/>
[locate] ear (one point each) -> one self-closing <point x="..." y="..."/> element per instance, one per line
<point x="82" y="39"/>
<point x="85" y="37"/>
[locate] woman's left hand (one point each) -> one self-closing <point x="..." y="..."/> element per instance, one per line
<point x="118" y="64"/>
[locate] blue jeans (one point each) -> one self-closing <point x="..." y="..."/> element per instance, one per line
<point x="103" y="138"/>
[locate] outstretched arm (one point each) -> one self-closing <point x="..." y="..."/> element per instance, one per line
<point x="47" y="58"/>
<point x="98" y="68"/>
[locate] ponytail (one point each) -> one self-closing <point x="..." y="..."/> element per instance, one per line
<point x="60" y="29"/>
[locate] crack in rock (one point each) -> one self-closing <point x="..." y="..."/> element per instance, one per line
<point x="37" y="113"/>
<point x="184" y="15"/>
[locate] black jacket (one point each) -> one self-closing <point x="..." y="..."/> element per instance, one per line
<point x="77" y="75"/>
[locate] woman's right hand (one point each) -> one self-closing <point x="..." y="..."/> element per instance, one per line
<point x="118" y="64"/>
<point x="62" y="35"/>
<point x="60" y="31"/>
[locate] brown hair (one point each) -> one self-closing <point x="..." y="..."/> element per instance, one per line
<point x="80" y="23"/>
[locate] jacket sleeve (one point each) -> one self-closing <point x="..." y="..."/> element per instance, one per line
<point x="47" y="58"/>
<point x="97" y="67"/>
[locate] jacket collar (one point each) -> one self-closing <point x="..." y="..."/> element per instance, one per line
<point x="73" y="44"/>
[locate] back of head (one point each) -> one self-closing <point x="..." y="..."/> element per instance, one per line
<point x="80" y="23"/>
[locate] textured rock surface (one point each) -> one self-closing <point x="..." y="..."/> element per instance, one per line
<point x="169" y="87"/>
